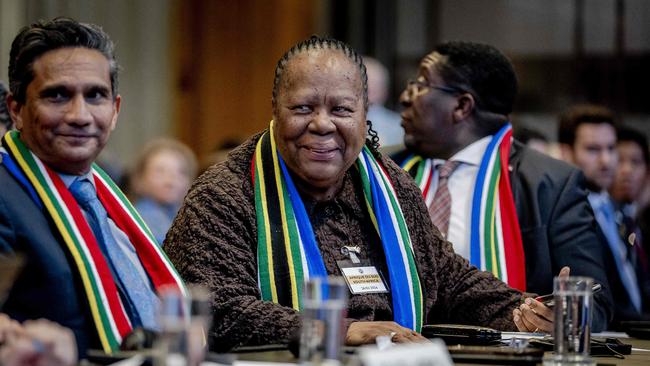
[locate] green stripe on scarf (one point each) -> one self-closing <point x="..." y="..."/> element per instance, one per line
<point x="403" y="231"/>
<point x="20" y="152"/>
<point x="106" y="308"/>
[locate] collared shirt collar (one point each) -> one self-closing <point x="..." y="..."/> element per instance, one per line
<point x="69" y="179"/>
<point x="597" y="199"/>
<point x="472" y="154"/>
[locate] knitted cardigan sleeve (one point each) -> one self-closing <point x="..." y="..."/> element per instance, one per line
<point x="213" y="242"/>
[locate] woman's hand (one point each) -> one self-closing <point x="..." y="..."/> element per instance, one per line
<point x="366" y="332"/>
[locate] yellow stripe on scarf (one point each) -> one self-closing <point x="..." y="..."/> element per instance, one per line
<point x="411" y="162"/>
<point x="285" y="229"/>
<point x="267" y="225"/>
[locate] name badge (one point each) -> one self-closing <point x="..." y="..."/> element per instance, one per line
<point x="363" y="280"/>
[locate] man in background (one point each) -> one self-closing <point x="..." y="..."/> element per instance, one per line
<point x="587" y="137"/>
<point x="632" y="171"/>
<point x="459" y="143"/>
<point x="627" y="190"/>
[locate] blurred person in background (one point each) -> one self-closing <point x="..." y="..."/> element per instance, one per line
<point x="587" y="135"/>
<point x="160" y="179"/>
<point x="631" y="177"/>
<point x="384" y="121"/>
<point x="632" y="171"/>
<point x="5" y="118"/>
<point x="531" y="138"/>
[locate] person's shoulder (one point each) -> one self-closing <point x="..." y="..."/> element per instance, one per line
<point x="9" y="184"/>
<point x="531" y="162"/>
<point x="398" y="157"/>
<point x="391" y="166"/>
<point x="402" y="181"/>
<point x="230" y="178"/>
<point x="17" y="206"/>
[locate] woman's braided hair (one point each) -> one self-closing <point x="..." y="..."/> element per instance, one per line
<point x="319" y="43"/>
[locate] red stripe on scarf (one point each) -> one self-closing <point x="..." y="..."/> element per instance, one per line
<point x="512" y="243"/>
<point x="429" y="178"/>
<point x="383" y="169"/>
<point x="105" y="276"/>
<point x="253" y="170"/>
<point x="149" y="257"/>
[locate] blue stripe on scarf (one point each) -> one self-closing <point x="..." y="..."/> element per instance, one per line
<point x="309" y="245"/>
<point x="402" y="307"/>
<point x="475" y="232"/>
<point x="13" y="169"/>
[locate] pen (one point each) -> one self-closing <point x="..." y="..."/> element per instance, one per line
<point x="549" y="302"/>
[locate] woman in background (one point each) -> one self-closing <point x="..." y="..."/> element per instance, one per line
<point x="160" y="179"/>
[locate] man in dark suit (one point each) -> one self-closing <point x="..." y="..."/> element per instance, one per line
<point x="588" y="137"/>
<point x="510" y="210"/>
<point x="90" y="265"/>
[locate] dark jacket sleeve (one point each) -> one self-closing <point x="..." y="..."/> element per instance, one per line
<point x="577" y="243"/>
<point x="48" y="285"/>
<point x="455" y="291"/>
<point x="212" y="242"/>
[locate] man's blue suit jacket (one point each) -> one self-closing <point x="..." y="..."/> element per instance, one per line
<point x="49" y="285"/>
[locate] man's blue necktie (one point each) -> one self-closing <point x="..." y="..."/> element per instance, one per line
<point x="604" y="211"/>
<point x="142" y="300"/>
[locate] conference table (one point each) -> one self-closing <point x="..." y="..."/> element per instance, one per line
<point x="279" y="354"/>
<point x="640" y="355"/>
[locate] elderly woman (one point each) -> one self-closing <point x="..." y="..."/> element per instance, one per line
<point x="286" y="202"/>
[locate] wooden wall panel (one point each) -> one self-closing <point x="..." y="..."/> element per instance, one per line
<point x="223" y="56"/>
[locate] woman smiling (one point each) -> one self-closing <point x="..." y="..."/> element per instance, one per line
<point x="286" y="202"/>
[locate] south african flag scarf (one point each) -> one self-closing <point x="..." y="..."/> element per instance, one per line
<point x="288" y="253"/>
<point x="495" y="237"/>
<point x="48" y="191"/>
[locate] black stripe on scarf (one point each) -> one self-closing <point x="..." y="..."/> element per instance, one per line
<point x="280" y="264"/>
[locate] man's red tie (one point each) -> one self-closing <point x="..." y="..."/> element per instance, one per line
<point x="440" y="208"/>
